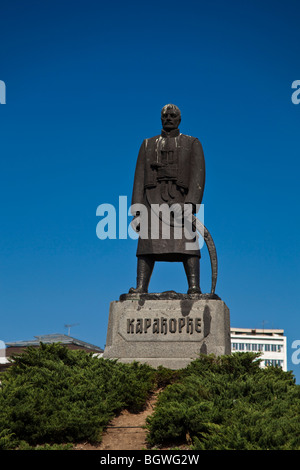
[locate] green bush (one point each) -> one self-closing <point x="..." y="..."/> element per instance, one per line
<point x="229" y="403"/>
<point x="51" y="394"/>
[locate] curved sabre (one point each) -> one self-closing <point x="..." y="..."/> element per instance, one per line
<point x="200" y="227"/>
<point x="211" y="250"/>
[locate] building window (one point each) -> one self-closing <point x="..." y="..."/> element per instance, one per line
<point x="267" y="347"/>
<point x="241" y="346"/>
<point x="277" y="362"/>
<point x="254" y="347"/>
<point x="276" y="347"/>
<point x="273" y="362"/>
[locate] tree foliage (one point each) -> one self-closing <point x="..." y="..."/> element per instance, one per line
<point x="229" y="403"/>
<point x="53" y="394"/>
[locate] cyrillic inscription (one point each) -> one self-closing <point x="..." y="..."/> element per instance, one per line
<point x="163" y="325"/>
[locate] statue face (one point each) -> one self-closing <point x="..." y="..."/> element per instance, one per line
<point x="170" y="119"/>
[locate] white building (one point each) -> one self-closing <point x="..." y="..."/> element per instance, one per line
<point x="269" y="342"/>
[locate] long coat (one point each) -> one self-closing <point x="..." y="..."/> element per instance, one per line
<point x="170" y="169"/>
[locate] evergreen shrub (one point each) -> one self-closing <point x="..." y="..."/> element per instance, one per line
<point x="52" y="394"/>
<point x="230" y="403"/>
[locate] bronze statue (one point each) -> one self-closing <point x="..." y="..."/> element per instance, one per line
<point x="170" y="170"/>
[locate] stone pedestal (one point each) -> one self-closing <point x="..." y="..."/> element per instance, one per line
<point x="170" y="330"/>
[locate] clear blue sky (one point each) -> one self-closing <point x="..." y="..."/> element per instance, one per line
<point x="85" y="85"/>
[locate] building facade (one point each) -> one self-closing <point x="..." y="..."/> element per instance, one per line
<point x="271" y="343"/>
<point x="18" y="347"/>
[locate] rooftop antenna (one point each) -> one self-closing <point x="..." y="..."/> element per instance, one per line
<point x="263" y="325"/>
<point x="70" y="326"/>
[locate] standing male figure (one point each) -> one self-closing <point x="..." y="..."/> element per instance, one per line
<point x="170" y="170"/>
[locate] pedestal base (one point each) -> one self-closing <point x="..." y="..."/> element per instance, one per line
<point x="167" y="331"/>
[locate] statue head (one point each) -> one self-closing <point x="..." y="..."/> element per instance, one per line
<point x="170" y="117"/>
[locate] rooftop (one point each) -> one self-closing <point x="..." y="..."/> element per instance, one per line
<point x="54" y="338"/>
<point x="257" y="331"/>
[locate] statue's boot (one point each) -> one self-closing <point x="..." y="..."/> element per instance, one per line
<point x="145" y="267"/>
<point x="192" y="270"/>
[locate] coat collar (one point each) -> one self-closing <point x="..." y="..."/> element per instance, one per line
<point x="173" y="133"/>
